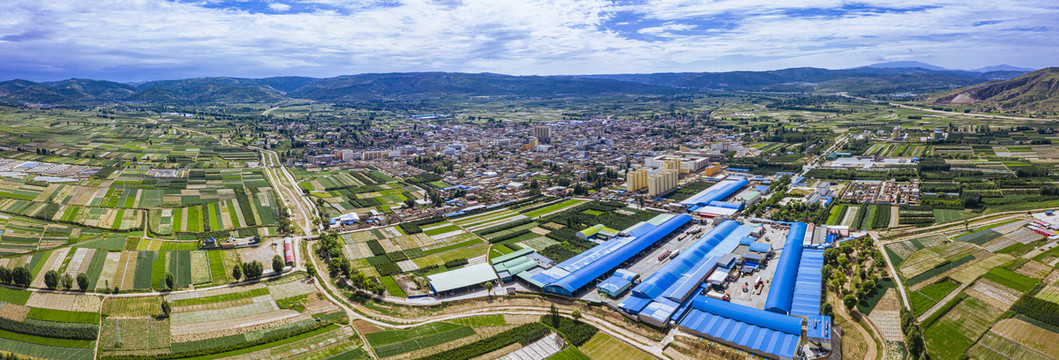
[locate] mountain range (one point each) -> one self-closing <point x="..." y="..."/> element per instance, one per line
<point x="1033" y="92"/>
<point x="878" y="79"/>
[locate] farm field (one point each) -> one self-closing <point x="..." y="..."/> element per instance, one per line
<point x="951" y="335"/>
<point x="926" y="297"/>
<point x="604" y="347"/>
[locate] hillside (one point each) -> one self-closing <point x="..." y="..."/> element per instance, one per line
<point x="434" y="85"/>
<point x="1037" y="91"/>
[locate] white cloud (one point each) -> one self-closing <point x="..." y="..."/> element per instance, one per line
<point x="279" y="7"/>
<point x="148" y="39"/>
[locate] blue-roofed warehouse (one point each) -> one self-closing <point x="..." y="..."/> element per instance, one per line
<point x="717" y="192"/>
<point x="765" y="333"/>
<point x="585" y="270"/>
<point x="807" y="286"/>
<point x="781" y="291"/>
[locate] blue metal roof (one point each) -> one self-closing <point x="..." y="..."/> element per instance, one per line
<point x="614" y="285"/>
<point x="781" y="291"/>
<point x="634" y="305"/>
<point x="717" y="192"/>
<point x="657" y="283"/>
<point x="756" y="329"/>
<point x="806" y="301"/>
<point x="760" y="247"/>
<point x="660" y="310"/>
<point x="818" y="327"/>
<point x="688" y="281"/>
<point x="597" y="266"/>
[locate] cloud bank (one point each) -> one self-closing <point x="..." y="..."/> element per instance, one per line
<point x="135" y="40"/>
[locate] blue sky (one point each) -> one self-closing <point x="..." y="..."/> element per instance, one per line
<point x="138" y="40"/>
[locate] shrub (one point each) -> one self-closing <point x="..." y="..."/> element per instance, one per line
<point x="455" y="263"/>
<point x="576" y="332"/>
<point x="51" y="329"/>
<point x="524" y="335"/>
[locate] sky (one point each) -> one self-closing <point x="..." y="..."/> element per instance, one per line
<point x="139" y="40"/>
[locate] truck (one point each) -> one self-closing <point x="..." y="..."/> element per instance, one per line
<point x="663" y="256"/>
<point x="674" y="254"/>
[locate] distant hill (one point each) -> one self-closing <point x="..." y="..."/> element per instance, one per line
<point x="434" y="85"/>
<point x="1037" y="91"/>
<point x="1002" y="67"/>
<point x="906" y="65"/>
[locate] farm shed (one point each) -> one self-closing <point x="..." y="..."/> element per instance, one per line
<point x="781" y="293"/>
<point x="462" y="278"/>
<point x="764" y="333"/>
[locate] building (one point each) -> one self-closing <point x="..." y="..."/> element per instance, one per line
<point x="461" y="279"/>
<point x="373" y="155"/>
<point x="636" y="180"/>
<point x="685" y="164"/>
<point x="576" y="273"/>
<point x="712" y="170"/>
<point x="543" y="133"/>
<point x="532" y="142"/>
<point x="661" y="183"/>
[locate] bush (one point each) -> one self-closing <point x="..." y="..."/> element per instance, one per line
<point x="558" y="253"/>
<point x="576" y="332"/>
<point x="51" y="329"/>
<point x="455" y="263"/>
<point x="524" y="335"/>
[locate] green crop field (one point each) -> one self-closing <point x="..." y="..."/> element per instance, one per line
<point x="396" y="342"/>
<point x="570" y="353"/>
<point x="1011" y="279"/>
<point x="553" y="208"/>
<point x="480" y="321"/>
<point x="217" y="269"/>
<point x="141" y="306"/>
<point x="391" y="286"/>
<point x="605" y="347"/>
<point x="63" y="316"/>
<point x="221" y="298"/>
<point x="441" y="230"/>
<point x="144" y="268"/>
<point x="947" y="215"/>
<point x="957" y="330"/>
<point x="926" y="297"/>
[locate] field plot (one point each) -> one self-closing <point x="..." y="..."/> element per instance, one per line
<point x="926" y="297"/>
<point x="1031" y="337"/>
<point x="954" y="332"/>
<point x="134" y="336"/>
<point x="395" y="342"/>
<point x="929" y="258"/>
<point x="942" y="216"/>
<point x="604" y="347"/>
<point x="1010" y="278"/>
<point x="994" y="294"/>
<point x="554" y="208"/>
<point x="971" y="272"/>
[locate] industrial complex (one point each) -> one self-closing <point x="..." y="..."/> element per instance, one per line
<point x="754" y="285"/>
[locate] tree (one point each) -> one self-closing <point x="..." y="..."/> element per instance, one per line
<point x="576" y="314"/>
<point x="51" y="279"/>
<point x="555" y="316"/>
<point x="914" y="342"/>
<point x="253" y="269"/>
<point x="237" y="272"/>
<point x="166" y="308"/>
<point x="170" y="280"/>
<point x="82" y="282"/>
<point x="278" y="264"/>
<point x="5" y="275"/>
<point x="310" y="269"/>
<point x="21" y="276"/>
<point x="850" y="301"/>
<point x="67" y="282"/>
<point x="488" y="285"/>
